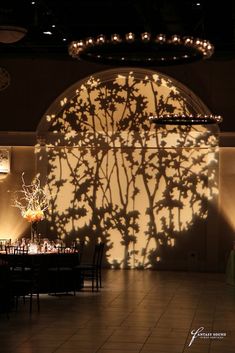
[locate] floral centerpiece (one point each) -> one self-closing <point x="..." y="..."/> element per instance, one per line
<point x="32" y="201"/>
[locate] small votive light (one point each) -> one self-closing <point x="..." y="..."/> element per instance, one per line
<point x="33" y="248"/>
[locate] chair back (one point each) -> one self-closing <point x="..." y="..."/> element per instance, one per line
<point x="79" y="248"/>
<point x="98" y="255"/>
<point x="4" y="243"/>
<point x="10" y="249"/>
<point x="5" y="293"/>
<point x="21" y="251"/>
<point x="63" y="250"/>
<point x="21" y="259"/>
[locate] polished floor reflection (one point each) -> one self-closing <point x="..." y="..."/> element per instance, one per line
<point x="135" y="312"/>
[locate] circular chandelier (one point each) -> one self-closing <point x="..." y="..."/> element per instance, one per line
<point x="181" y="119"/>
<point x="143" y="49"/>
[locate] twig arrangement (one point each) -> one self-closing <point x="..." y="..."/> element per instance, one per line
<point x="32" y="201"/>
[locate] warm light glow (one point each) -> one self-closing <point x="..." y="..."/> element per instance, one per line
<point x="116" y="38"/>
<point x="113" y="174"/>
<point x="130" y="37"/>
<point x="11" y="227"/>
<point x="227" y="190"/>
<point x="4" y="162"/>
<point x="146" y="36"/>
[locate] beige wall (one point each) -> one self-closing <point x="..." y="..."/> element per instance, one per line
<point x="226" y="202"/>
<point x="36" y="82"/>
<point x="12" y="225"/>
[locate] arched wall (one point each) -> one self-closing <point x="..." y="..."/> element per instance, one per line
<point x="149" y="193"/>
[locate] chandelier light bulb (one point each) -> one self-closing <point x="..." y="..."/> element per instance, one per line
<point x="188" y="40"/>
<point x="100" y="39"/>
<point x="175" y="39"/>
<point x="89" y="41"/>
<point x="115" y="38"/>
<point x="161" y="38"/>
<point x="145" y="36"/>
<point x="130" y="37"/>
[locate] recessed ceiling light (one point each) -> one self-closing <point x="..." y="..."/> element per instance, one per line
<point x="11" y="34"/>
<point x="48" y="33"/>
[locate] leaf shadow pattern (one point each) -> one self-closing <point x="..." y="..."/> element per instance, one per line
<point x="115" y="177"/>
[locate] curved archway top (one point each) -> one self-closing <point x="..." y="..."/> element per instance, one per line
<point x="119" y="99"/>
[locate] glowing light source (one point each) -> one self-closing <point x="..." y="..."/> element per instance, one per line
<point x="144" y="49"/>
<point x="4" y="162"/>
<point x="181" y="119"/>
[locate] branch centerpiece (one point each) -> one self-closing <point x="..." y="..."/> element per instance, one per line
<point x="32" y="200"/>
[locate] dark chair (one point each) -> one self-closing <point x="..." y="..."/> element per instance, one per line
<point x="26" y="284"/>
<point x="21" y="250"/>
<point x="5" y="292"/>
<point x="10" y="249"/>
<point x="63" y="250"/>
<point x="4" y="243"/>
<point x="80" y="249"/>
<point x="20" y="261"/>
<point x="61" y="274"/>
<point x="92" y="271"/>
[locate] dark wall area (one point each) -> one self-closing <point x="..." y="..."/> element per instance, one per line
<point x="37" y="82"/>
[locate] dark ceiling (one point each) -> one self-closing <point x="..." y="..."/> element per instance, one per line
<point x="69" y="20"/>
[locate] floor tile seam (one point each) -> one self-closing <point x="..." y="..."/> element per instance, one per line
<point x="134" y="308"/>
<point x="112" y="300"/>
<point x="97" y="351"/>
<point x="60" y="346"/>
<point x="194" y="316"/>
<point x="66" y="340"/>
<point x="150" y="333"/>
<point x="160" y="317"/>
<point x="213" y="321"/>
<point x="29" y="337"/>
<point x="168" y="303"/>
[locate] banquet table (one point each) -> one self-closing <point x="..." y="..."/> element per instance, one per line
<point x="59" y="280"/>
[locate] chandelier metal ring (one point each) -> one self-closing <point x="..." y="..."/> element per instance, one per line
<point x="181" y="119"/>
<point x="143" y="49"/>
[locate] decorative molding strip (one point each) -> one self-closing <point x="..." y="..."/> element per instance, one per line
<point x="227" y="139"/>
<point x="16" y="138"/>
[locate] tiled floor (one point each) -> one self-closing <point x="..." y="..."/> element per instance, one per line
<point x="135" y="312"/>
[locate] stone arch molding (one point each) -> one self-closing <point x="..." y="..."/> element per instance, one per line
<point x="113" y="176"/>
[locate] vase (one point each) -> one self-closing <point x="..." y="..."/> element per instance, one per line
<point x="33" y="232"/>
